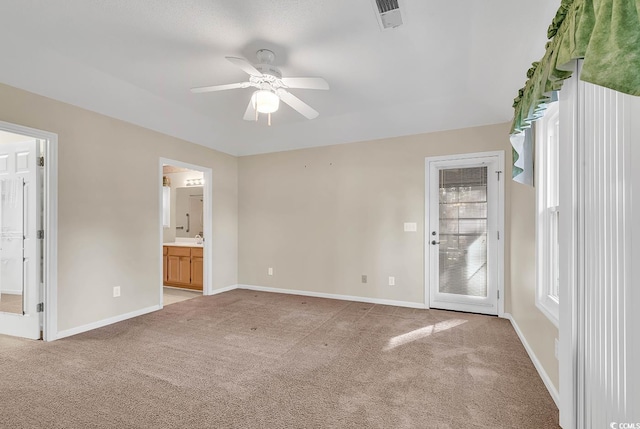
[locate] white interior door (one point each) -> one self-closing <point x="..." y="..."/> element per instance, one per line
<point x="463" y="251"/>
<point x="20" y="211"/>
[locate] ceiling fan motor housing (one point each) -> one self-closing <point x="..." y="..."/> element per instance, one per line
<point x="269" y="70"/>
<point x="265" y="65"/>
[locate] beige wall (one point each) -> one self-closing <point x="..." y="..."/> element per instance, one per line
<point x="322" y="217"/>
<point x="535" y="326"/>
<point x="108" y="196"/>
<point x="7" y="137"/>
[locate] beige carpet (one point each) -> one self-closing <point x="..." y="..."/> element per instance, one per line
<point x="258" y="360"/>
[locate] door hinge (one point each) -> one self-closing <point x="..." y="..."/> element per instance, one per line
<point x="41" y="161"/>
<point x="498" y="294"/>
<point x="498" y="235"/>
<point x="498" y="173"/>
<point x="40" y="307"/>
<point x="40" y="234"/>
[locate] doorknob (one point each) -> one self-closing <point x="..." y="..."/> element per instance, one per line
<point x="434" y="242"/>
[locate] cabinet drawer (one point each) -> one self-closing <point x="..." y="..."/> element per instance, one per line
<point x="196" y="251"/>
<point x="179" y="251"/>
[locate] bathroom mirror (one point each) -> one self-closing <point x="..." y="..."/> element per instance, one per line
<point x="189" y="213"/>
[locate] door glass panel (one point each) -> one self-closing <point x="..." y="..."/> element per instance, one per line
<point x="11" y="245"/>
<point x="463" y="231"/>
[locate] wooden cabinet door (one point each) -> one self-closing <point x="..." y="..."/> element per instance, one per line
<point x="178" y="269"/>
<point x="196" y="271"/>
<point x="185" y="270"/>
<point x="173" y="269"/>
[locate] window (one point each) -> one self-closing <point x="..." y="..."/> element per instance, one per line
<point x="547" y="209"/>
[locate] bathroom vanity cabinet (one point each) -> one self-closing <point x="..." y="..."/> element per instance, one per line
<point x="182" y="266"/>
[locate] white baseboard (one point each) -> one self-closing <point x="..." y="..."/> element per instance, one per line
<point x="335" y="296"/>
<point x="105" y="322"/>
<point x="12" y="292"/>
<point x="543" y="374"/>
<point x="223" y="289"/>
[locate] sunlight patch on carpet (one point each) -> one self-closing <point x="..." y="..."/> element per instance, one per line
<point x="417" y="334"/>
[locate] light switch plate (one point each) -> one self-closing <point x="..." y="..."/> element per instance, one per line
<point x="410" y="227"/>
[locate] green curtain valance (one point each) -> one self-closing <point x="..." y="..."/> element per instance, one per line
<point x="606" y="33"/>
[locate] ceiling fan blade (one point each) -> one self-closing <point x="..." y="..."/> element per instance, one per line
<point x="303" y="108"/>
<point x="220" y="87"/>
<point x="250" y="113"/>
<point x="245" y="66"/>
<point x="305" y="82"/>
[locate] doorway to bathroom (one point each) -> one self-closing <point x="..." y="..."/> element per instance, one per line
<point x="185" y="214"/>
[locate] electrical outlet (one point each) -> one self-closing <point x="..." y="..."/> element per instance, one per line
<point x="116" y="291"/>
<point x="364" y="278"/>
<point x="392" y="281"/>
<point x="555" y="347"/>
<point x="270" y="271"/>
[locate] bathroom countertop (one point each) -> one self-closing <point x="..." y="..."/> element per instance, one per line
<point x="183" y="244"/>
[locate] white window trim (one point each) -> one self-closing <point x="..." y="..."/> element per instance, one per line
<point x="546" y="303"/>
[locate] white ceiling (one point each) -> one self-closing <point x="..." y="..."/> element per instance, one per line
<point x="453" y="64"/>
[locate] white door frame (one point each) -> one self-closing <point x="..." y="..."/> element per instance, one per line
<point x="50" y="224"/>
<point x="500" y="223"/>
<point x="207" y="193"/>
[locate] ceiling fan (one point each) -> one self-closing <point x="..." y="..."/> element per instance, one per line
<point x="270" y="86"/>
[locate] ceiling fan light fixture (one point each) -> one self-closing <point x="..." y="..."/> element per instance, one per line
<point x="265" y="101"/>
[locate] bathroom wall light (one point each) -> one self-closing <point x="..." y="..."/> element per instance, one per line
<point x="194" y="182"/>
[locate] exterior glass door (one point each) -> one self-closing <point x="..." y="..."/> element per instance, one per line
<point x="463" y="235"/>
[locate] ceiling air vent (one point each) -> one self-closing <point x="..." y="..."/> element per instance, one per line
<point x="389" y="15"/>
